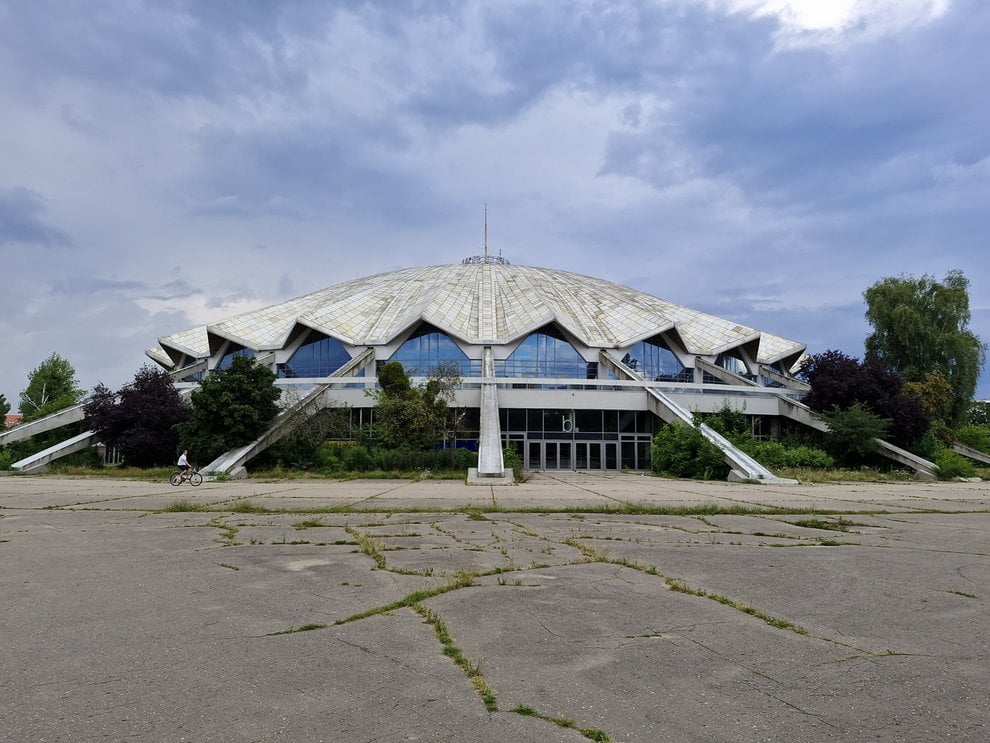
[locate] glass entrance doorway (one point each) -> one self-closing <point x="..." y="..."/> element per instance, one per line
<point x="572" y="455"/>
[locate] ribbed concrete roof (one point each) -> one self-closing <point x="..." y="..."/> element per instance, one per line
<point x="483" y="304"/>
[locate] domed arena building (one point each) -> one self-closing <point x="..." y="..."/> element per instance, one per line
<point x="574" y="372"/>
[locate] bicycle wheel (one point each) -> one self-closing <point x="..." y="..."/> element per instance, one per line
<point x="195" y="478"/>
<point x="176" y="479"/>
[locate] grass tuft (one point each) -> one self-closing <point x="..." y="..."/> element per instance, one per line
<point x="462" y="580"/>
<point x="301" y="628"/>
<point x="471" y="670"/>
<point x="184" y="506"/>
<point x="595" y="734"/>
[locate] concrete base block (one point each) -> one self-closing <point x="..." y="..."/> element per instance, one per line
<point x="238" y="473"/>
<point x="737" y="476"/>
<point x="473" y="478"/>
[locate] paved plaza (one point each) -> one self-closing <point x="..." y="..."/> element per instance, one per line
<point x="571" y="607"/>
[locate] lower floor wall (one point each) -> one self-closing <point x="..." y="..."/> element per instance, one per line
<point x="627" y="452"/>
<point x="574" y="439"/>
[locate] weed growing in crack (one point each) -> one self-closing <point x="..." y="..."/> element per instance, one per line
<point x="227" y="533"/>
<point x="184" y="506"/>
<point x="307" y="524"/>
<point x="838" y="525"/>
<point x="300" y="628"/>
<point x="675" y="584"/>
<point x="471" y="670"/>
<point x="249" y="507"/>
<point x="595" y="734"/>
<point x="229" y="567"/>
<point x="463" y="580"/>
<point x="963" y="593"/>
<point x="372" y="548"/>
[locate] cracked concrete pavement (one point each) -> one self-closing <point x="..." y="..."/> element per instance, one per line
<point x="587" y="612"/>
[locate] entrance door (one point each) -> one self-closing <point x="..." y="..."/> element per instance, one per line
<point x="550" y="450"/>
<point x="534" y="456"/>
<point x="566" y="455"/>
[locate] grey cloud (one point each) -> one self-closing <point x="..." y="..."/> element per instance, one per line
<point x="23" y="220"/>
<point x="239" y="294"/>
<point x="85" y="286"/>
<point x="217" y="50"/>
<point x="177" y="289"/>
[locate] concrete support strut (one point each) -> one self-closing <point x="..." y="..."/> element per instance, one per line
<point x="63" y="417"/>
<point x="744" y="467"/>
<point x="39" y="462"/>
<point x="232" y="462"/>
<point x="967" y="451"/>
<point x="491" y="464"/>
<point x="797" y="411"/>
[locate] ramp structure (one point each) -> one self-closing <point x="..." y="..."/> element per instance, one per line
<point x="232" y="463"/>
<point x="743" y="466"/>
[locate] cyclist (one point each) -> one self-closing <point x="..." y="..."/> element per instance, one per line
<point x="183" y="463"/>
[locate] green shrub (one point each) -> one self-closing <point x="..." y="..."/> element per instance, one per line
<point x="776" y="455"/>
<point x="852" y="432"/>
<point x="5" y="460"/>
<point x="512" y="461"/>
<point x="682" y="451"/>
<point x="727" y="421"/>
<point x="356" y="459"/>
<point x="808" y="456"/>
<point x="950" y="465"/>
<point x="975" y="437"/>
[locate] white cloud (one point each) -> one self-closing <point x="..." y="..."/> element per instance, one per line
<point x="830" y="22"/>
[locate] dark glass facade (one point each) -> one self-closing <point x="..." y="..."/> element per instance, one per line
<point x="546" y="353"/>
<point x="427" y="348"/>
<point x="551" y="438"/>
<point x="656" y="362"/>
<point x="232" y="352"/>
<point x="318" y="356"/>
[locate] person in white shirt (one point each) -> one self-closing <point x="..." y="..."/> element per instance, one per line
<point x="184" y="461"/>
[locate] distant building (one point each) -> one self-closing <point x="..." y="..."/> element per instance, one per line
<point x="582" y="367"/>
<point x="10" y="420"/>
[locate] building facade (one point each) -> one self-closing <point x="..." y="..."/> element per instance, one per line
<point x="574" y="372"/>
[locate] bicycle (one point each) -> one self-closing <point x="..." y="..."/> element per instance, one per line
<point x="191" y="476"/>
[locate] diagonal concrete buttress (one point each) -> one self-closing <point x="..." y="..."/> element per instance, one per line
<point x="744" y="467"/>
<point x="232" y="462"/>
<point x="798" y="411"/>
<point x="491" y="464"/>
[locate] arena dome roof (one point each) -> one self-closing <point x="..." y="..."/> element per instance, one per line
<point x="488" y="302"/>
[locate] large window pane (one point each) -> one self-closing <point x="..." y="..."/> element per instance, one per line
<point x="427" y="348"/>
<point x="656" y="362"/>
<point x="318" y="356"/>
<point x="233" y="351"/>
<point x="544" y="353"/>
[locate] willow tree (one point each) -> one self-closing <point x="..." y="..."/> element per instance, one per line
<point x="920" y="328"/>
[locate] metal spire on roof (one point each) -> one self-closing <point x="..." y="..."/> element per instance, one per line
<point x="485" y="258"/>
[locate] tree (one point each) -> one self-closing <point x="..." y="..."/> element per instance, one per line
<point x="920" y="327"/>
<point x="408" y="417"/>
<point x="838" y="382"/>
<point x="4" y="405"/>
<point x="978" y="413"/>
<point x="139" y="420"/>
<point x="52" y="386"/>
<point x="682" y="451"/>
<point x="853" y="432"/>
<point x="935" y="395"/>
<point x="231" y="408"/>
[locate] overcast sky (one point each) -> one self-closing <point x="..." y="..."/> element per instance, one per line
<point x="165" y="164"/>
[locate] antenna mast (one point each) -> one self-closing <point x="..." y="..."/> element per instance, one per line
<point x="490" y="260"/>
